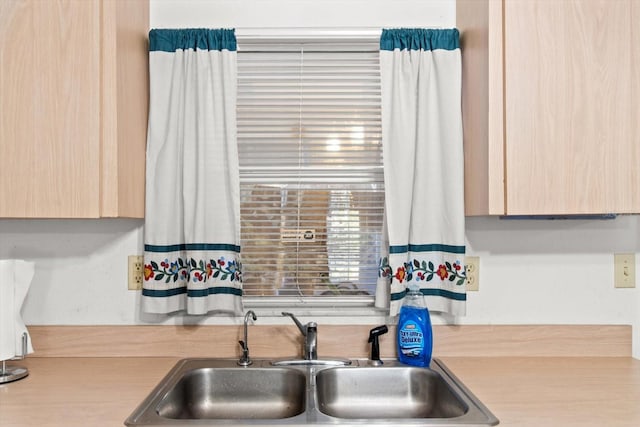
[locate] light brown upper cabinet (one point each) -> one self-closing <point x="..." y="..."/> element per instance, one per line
<point x="551" y="106"/>
<point x="73" y="108"/>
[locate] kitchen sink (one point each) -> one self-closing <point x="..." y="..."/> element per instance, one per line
<point x="216" y="392"/>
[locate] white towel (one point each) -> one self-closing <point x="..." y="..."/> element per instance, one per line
<point x="15" y="279"/>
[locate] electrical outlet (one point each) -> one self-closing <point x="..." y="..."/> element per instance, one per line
<point x="136" y="272"/>
<point x="624" y="270"/>
<point x="472" y="265"/>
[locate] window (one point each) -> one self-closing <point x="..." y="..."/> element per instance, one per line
<point x="311" y="177"/>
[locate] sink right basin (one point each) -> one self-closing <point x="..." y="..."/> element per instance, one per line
<point x="386" y="393"/>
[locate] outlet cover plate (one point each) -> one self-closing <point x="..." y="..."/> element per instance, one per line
<point x="472" y="265"/>
<point x="136" y="272"/>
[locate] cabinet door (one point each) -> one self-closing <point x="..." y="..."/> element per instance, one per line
<point x="570" y="144"/>
<point x="480" y="23"/>
<point x="49" y="108"/>
<point x="125" y="103"/>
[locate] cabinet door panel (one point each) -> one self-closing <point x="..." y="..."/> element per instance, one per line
<point x="568" y="131"/>
<point x="634" y="173"/>
<point x="50" y="111"/>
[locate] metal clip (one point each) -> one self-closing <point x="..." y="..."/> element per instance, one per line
<point x="13" y="373"/>
<point x="25" y="339"/>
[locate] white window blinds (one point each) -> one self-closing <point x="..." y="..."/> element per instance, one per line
<point x="311" y="179"/>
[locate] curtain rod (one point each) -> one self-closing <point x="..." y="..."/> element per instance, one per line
<point x="312" y="32"/>
<point x="307" y="32"/>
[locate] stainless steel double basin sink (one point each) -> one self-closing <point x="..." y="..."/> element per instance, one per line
<point x="218" y="392"/>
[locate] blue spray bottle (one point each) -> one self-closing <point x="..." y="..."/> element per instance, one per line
<point x="415" y="337"/>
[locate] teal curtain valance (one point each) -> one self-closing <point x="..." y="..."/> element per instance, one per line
<point x="170" y="40"/>
<point x="419" y="39"/>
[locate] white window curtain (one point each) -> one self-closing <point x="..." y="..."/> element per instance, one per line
<point x="192" y="219"/>
<point x="423" y="169"/>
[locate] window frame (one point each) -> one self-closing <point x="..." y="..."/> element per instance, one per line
<point x="339" y="306"/>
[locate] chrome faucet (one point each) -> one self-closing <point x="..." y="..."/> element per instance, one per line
<point x="245" y="360"/>
<point x="310" y="333"/>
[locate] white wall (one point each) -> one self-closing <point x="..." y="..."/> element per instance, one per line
<point x="531" y="271"/>
<point x="551" y="271"/>
<point x="301" y="13"/>
<point x="81" y="268"/>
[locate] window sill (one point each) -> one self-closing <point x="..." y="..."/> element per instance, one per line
<point x="334" y="310"/>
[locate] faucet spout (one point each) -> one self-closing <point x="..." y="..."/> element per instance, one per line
<point x="310" y="333"/>
<point x="245" y="360"/>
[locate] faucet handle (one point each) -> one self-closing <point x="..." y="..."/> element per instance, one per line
<point x="303" y="329"/>
<point x="375" y="344"/>
<point x="244" y="360"/>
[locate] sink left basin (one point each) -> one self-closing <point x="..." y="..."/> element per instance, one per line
<point x="235" y="393"/>
<point x="207" y="389"/>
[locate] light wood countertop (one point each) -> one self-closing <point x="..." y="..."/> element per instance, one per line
<point x="544" y="391"/>
<point x="563" y="392"/>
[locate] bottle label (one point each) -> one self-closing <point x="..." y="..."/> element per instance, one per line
<point x="411" y="339"/>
